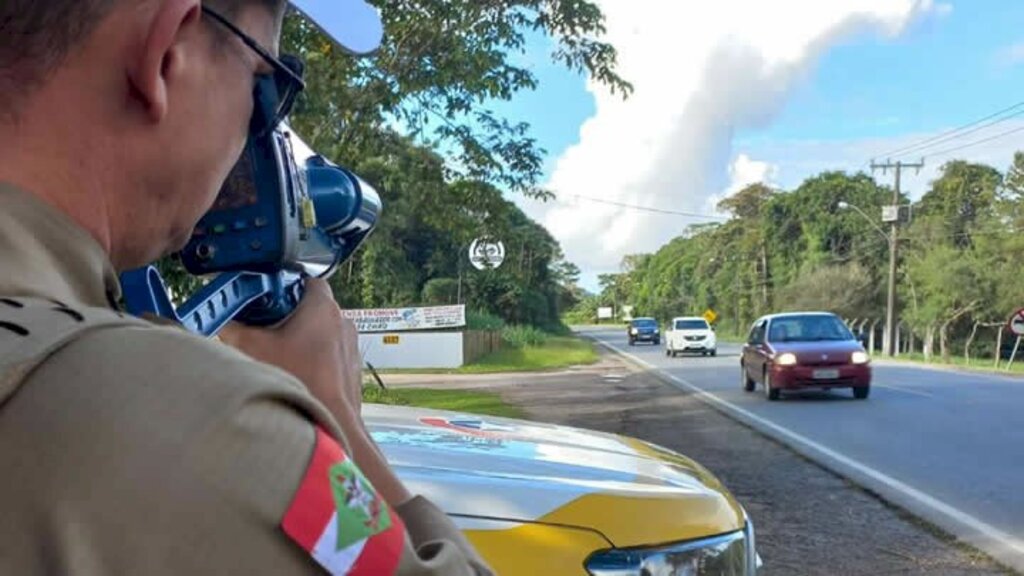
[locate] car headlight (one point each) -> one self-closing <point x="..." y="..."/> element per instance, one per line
<point x="633" y="331"/>
<point x="787" y="359"/>
<point x="729" y="555"/>
<point x="860" y="358"/>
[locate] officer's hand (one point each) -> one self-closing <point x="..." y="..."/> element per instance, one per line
<point x="316" y="345"/>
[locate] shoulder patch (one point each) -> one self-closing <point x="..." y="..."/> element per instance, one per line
<point x="339" y="519"/>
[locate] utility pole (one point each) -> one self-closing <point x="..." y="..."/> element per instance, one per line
<point x="894" y="219"/>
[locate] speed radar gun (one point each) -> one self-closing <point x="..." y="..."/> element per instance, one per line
<point x="284" y="214"/>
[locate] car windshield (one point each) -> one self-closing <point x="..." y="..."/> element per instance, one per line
<point x="691" y="325"/>
<point x="644" y="323"/>
<point x="809" y="328"/>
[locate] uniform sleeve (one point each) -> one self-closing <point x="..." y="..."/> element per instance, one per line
<point x="436" y="538"/>
<point x="154" y="452"/>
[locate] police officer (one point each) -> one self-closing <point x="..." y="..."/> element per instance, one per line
<point x="128" y="447"/>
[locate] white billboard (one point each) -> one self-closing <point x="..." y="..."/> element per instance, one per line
<point x="604" y="313"/>
<point x="406" y="319"/>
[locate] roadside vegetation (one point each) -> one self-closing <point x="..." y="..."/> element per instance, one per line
<point x="470" y="401"/>
<point x="810" y="248"/>
<point x="554" y="353"/>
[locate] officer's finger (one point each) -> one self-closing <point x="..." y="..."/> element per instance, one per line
<point x="239" y="335"/>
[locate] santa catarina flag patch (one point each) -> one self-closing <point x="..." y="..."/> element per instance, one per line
<point x="340" y="519"/>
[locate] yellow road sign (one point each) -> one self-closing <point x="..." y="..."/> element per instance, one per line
<point x="710" y="315"/>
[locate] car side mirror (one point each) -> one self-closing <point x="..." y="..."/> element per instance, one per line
<point x="863" y="339"/>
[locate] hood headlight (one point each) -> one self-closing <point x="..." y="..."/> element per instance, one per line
<point x="860" y="358"/>
<point x="787" y="359"/>
<point x="729" y="555"/>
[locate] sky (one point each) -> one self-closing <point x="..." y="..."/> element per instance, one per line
<point x="732" y="92"/>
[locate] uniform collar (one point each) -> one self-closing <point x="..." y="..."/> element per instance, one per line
<point x="44" y="253"/>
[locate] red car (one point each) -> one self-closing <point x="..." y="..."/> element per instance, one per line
<point x="804" y="351"/>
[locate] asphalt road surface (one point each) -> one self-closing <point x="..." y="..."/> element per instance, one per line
<point x="948" y="446"/>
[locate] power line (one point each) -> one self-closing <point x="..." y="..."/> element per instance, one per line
<point x="975" y="143"/>
<point x="652" y="209"/>
<point x="903" y="150"/>
<point x="921" y="149"/>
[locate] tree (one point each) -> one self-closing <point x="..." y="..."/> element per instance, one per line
<point x="845" y="289"/>
<point x="442" y="61"/>
<point x="963" y="200"/>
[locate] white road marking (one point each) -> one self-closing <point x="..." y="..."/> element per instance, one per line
<point x="1010" y="548"/>
<point x="907" y="390"/>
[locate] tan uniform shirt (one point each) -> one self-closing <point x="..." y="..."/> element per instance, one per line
<point x="146" y="450"/>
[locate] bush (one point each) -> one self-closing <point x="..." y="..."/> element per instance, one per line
<point x="440" y="291"/>
<point x="522" y="336"/>
<point x="483" y="321"/>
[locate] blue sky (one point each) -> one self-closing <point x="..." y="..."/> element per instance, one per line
<point x="940" y="74"/>
<point x="865" y="93"/>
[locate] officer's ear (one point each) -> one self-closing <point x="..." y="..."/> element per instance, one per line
<point x="162" y="54"/>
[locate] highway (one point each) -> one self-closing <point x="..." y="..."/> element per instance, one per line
<point x="948" y="446"/>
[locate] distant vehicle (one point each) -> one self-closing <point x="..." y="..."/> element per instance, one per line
<point x="644" y="330"/>
<point x="690" y="334"/>
<point x="801" y="351"/>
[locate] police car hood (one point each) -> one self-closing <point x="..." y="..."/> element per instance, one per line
<point x="631" y="492"/>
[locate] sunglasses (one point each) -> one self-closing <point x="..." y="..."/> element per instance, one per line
<point x="275" y="93"/>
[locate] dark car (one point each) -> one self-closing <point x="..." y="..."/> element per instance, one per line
<point x="804" y="350"/>
<point x="644" y="330"/>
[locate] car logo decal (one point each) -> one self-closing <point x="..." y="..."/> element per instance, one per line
<point x="469" y="426"/>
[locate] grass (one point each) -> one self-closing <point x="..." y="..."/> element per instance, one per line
<point x="470" y="401"/>
<point x="557" y="352"/>
<point x="984" y="364"/>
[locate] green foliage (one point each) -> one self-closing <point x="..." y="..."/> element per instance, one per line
<point x="845" y="289"/>
<point x="469" y="401"/>
<point x="523" y="336"/>
<point x="440" y="291"/>
<point x="583" y="312"/>
<point x="441" y="63"/>
<point x="483" y="321"/>
<point x="557" y="352"/>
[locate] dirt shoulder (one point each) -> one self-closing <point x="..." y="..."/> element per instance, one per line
<point x="809" y="520"/>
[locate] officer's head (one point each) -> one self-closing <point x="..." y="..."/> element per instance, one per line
<point x="129" y="114"/>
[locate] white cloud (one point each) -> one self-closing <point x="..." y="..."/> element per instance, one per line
<point x="702" y="72"/>
<point x="743" y="172"/>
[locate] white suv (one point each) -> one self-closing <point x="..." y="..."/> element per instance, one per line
<point x="690" y="334"/>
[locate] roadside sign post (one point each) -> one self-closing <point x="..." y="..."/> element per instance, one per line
<point x="1016" y="327"/>
<point x="710" y="315"/>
